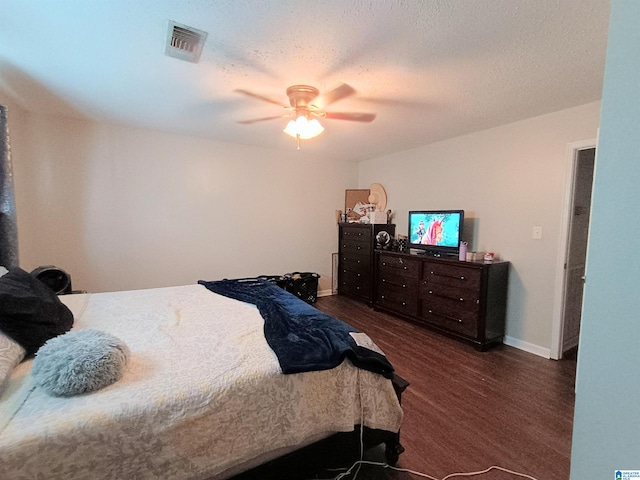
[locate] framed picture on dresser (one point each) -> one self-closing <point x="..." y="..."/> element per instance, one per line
<point x="354" y="201"/>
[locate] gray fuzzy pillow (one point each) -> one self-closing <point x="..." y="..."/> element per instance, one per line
<point x="78" y="362"/>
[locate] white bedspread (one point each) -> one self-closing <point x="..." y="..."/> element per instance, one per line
<point x="202" y="393"/>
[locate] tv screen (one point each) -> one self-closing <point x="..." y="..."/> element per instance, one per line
<point x="436" y="231"/>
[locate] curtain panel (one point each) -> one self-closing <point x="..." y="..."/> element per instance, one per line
<point x="8" y="222"/>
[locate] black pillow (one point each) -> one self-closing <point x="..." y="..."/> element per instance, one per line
<point x="31" y="313"/>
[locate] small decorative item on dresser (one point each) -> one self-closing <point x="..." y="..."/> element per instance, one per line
<point x="488" y="257"/>
<point x="354" y="204"/>
<point x="377" y="217"/>
<point x="378" y="197"/>
<point x="383" y="239"/>
<point x="402" y="244"/>
<point x="463" y="252"/>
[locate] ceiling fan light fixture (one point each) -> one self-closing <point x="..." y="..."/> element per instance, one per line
<point x="304" y="128"/>
<point x="291" y="129"/>
<point x="301" y="98"/>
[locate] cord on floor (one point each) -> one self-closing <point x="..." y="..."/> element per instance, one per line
<point x="424" y="475"/>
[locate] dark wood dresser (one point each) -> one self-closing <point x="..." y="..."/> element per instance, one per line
<point x="466" y="300"/>
<point x="357" y="242"/>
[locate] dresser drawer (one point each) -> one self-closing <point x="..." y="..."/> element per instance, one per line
<point x="398" y="301"/>
<point x="455" y="299"/>
<point x="356" y="248"/>
<point x="453" y="275"/>
<point x="456" y="321"/>
<point x="399" y="266"/>
<point x="355" y="263"/>
<point x="356" y="276"/>
<point x="450" y="308"/>
<point x="354" y="283"/>
<point x="356" y="234"/>
<point x="354" y="289"/>
<point x="403" y="286"/>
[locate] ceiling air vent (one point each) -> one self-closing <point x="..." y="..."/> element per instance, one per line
<point x="184" y="42"/>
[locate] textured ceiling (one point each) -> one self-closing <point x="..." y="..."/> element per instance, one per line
<point x="431" y="69"/>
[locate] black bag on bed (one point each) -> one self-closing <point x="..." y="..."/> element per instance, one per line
<point x="55" y="278"/>
<point x="30" y="313"/>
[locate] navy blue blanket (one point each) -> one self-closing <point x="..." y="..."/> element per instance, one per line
<point x="302" y="337"/>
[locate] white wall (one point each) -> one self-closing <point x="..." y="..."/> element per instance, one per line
<point x="607" y="411"/>
<point x="121" y="208"/>
<point x="507" y="179"/>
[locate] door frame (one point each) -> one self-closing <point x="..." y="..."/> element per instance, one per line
<point x="573" y="149"/>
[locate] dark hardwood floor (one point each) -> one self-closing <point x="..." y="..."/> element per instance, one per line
<point x="467" y="410"/>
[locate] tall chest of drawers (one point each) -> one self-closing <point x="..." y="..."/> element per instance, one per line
<point x="357" y="242"/>
<point x="466" y="300"/>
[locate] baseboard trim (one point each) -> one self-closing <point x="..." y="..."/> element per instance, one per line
<point x="527" y="347"/>
<point x="325" y="293"/>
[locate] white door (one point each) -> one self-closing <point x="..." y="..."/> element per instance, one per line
<point x="577" y="252"/>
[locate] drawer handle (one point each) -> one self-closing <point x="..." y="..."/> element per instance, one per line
<point x="384" y="264"/>
<point x="404" y="267"/>
<point x="461" y="299"/>
<point x="436" y="274"/>
<point x="404" y="304"/>
<point x="402" y="285"/>
<point x="446" y="317"/>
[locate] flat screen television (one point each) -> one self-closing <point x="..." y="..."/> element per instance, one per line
<point x="436" y="232"/>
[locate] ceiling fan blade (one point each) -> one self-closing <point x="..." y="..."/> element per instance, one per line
<point x="248" y="122"/>
<point x="341" y="91"/>
<point x="352" y="116"/>
<point x="259" y="97"/>
<point x="395" y="102"/>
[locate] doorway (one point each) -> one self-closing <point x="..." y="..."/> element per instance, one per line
<point x="575" y="250"/>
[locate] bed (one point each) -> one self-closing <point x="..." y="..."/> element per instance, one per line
<point x="203" y="395"/>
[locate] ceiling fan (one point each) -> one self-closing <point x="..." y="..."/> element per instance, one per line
<point x="304" y="111"/>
